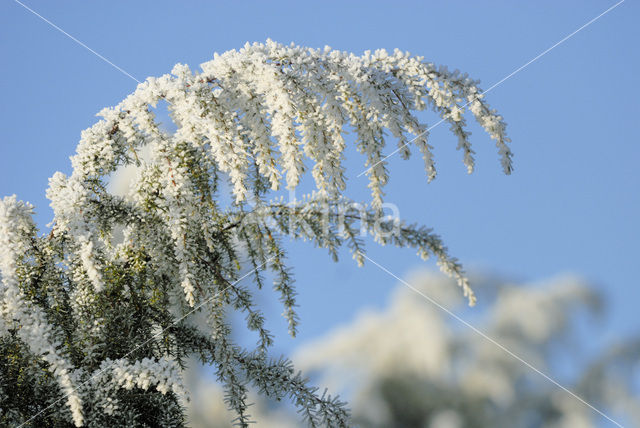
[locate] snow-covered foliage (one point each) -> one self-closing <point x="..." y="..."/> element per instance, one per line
<point x="95" y="314"/>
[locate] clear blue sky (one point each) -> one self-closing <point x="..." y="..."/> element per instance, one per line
<point x="572" y="204"/>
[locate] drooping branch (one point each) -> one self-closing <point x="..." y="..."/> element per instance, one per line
<point x="107" y="287"/>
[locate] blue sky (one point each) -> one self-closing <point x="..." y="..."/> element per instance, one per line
<point x="571" y="205"/>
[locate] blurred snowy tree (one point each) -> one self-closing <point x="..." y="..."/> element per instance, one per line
<point x="412" y="365"/>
